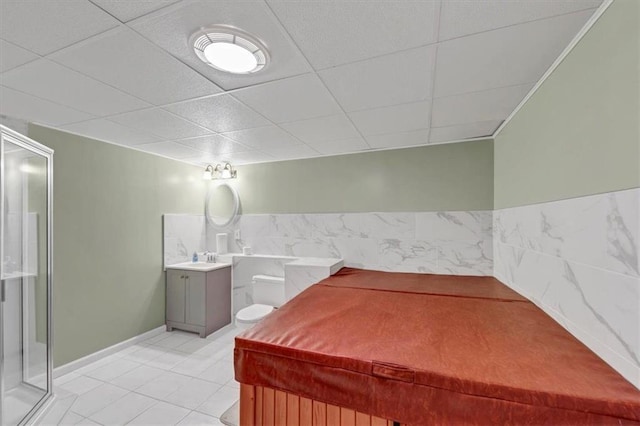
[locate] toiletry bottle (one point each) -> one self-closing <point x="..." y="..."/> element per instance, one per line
<point x="194" y="259"/>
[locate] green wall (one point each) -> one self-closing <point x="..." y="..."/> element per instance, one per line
<point x="430" y="178"/>
<point x="107" y="259"/>
<point x="579" y="134"/>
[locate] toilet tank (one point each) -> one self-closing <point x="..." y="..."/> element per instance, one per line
<point x="268" y="290"/>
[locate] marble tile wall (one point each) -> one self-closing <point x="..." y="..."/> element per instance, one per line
<point x="182" y="235"/>
<point x="434" y="242"/>
<point x="578" y="260"/>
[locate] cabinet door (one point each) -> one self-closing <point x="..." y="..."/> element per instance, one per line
<point x="175" y="296"/>
<point x="196" y="296"/>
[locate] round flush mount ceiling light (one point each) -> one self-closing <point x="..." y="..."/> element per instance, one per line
<point x="230" y="49"/>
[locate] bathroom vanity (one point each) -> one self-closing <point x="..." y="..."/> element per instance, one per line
<point x="198" y="297"/>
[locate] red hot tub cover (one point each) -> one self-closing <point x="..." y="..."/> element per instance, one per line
<point x="432" y="349"/>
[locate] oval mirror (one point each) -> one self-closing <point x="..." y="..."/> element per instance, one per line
<point x="222" y="205"/>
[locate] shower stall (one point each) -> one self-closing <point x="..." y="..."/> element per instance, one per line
<point x="25" y="278"/>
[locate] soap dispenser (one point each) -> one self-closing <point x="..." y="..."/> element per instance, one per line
<point x="194" y="259"/>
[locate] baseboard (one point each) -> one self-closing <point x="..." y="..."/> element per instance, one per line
<point x="81" y="362"/>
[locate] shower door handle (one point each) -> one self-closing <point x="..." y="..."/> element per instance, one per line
<point x="2" y="291"/>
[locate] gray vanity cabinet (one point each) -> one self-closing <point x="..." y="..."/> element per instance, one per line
<point x="198" y="301"/>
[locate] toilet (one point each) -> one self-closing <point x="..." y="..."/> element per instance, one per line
<point x="268" y="294"/>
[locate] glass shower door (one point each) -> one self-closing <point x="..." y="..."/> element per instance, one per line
<point x="25" y="329"/>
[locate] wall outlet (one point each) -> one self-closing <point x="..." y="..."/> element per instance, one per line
<point x="236" y="234"/>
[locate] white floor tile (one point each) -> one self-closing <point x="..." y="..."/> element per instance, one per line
<point x="215" y="350"/>
<point x="155" y="339"/>
<point x="233" y="384"/>
<point x="195" y="418"/>
<point x="218" y="373"/>
<point x="58" y="410"/>
<point x="168" y="360"/>
<point x="87" y="422"/>
<point x="113" y="369"/>
<point x="96" y="399"/>
<point x="178" y="367"/>
<point x="137" y="377"/>
<point x="71" y="418"/>
<point x="80" y="385"/>
<point x="145" y="354"/>
<point x="194" y="345"/>
<point x="123" y="410"/>
<point x="65" y="379"/>
<point x="219" y="402"/>
<point x="194" y="365"/>
<point x="97" y="364"/>
<point x="163" y="385"/>
<point x="176" y="339"/>
<point x="192" y="394"/>
<point x="161" y="414"/>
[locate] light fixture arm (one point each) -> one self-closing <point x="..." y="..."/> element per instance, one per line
<point x="220" y="171"/>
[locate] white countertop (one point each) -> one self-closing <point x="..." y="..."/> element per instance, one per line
<point x="198" y="266"/>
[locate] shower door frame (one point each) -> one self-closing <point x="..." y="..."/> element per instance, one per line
<point x="46" y="152"/>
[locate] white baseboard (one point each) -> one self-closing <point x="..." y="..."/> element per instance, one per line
<point x="79" y="363"/>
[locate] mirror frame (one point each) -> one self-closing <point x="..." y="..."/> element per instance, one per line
<point x="236" y="206"/>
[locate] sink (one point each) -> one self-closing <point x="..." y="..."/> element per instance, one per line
<point x="198" y="266"/>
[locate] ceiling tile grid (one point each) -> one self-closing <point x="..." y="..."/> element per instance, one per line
<point x="51" y="81"/>
<point x="109" y="131"/>
<point x="213" y="144"/>
<point x="264" y="138"/>
<point x="344" y="77"/>
<point x="160" y="123"/>
<point x="128" y="10"/>
<point x="124" y="59"/>
<point x="46" y="26"/>
<point x="14" y="103"/>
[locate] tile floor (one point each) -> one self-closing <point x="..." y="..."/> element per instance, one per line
<point x="173" y="378"/>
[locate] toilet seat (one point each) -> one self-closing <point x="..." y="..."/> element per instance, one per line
<point x="254" y="313"/>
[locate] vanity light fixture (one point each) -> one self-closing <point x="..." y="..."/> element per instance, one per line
<point x="220" y="172"/>
<point x="230" y="49"/>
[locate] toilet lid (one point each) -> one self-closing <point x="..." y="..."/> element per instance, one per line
<point x="253" y="313"/>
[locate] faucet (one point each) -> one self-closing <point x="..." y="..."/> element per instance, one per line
<point x="210" y="256"/>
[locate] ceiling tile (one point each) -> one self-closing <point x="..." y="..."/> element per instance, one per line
<point x="125" y="60"/>
<point x="264" y="138"/>
<point x="463" y="131"/>
<point x="172" y="31"/>
<point x="128" y="10"/>
<point x="213" y="144"/>
<point x="30" y="108"/>
<point x="514" y="55"/>
<point x="46" y="26"/>
<point x="495" y="104"/>
<point x="293" y="152"/>
<point x="292" y="99"/>
<point x="344" y="146"/>
<point x="108" y="131"/>
<point x="460" y="18"/>
<point x="170" y="149"/>
<point x="332" y="33"/>
<point x="160" y="123"/>
<point x="318" y="130"/>
<point x="399" y="140"/>
<point x="12" y="56"/>
<point x="248" y="157"/>
<point x="201" y="160"/>
<point x="56" y="83"/>
<point x="387" y="80"/>
<point x="219" y="113"/>
<point x="393" y="119"/>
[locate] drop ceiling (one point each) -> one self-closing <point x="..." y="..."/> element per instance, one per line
<point x="345" y="76"/>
